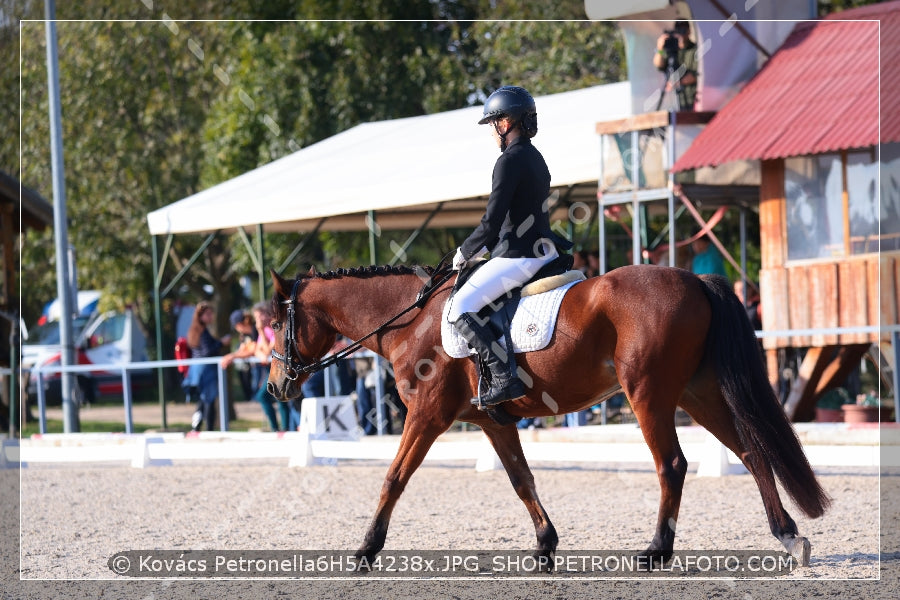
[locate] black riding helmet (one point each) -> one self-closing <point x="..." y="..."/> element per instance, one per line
<point x="510" y="101"/>
<point x="513" y="102"/>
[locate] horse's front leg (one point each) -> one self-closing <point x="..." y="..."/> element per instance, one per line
<point x="419" y="434"/>
<point x="506" y="442"/>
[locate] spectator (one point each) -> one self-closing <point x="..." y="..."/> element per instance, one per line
<point x="340" y="377"/>
<point x="243" y="323"/>
<point x="706" y="258"/>
<point x="202" y="379"/>
<point x="579" y="261"/>
<point x="751" y="302"/>
<point x="366" y="384"/>
<point x="265" y="341"/>
<point x="593" y="264"/>
<point x="340" y="383"/>
<point x="676" y="56"/>
<point x="577" y="418"/>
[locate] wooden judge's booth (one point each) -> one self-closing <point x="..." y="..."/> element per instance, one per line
<point x="801" y="141"/>
<point x="829" y="193"/>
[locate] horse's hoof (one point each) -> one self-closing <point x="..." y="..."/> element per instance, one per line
<point x="799" y="548"/>
<point x="364" y="561"/>
<point x="543" y="562"/>
<point x="654" y="559"/>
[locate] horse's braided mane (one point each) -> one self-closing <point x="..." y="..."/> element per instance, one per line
<point x="378" y="271"/>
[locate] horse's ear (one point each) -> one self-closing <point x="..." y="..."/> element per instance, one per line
<point x="312" y="271"/>
<point x="280" y="284"/>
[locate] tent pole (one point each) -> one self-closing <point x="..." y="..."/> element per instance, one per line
<point x="635" y="203"/>
<point x="743" y="227"/>
<point x="158" y="268"/>
<point x="261" y="255"/>
<point x="670" y="196"/>
<point x="157" y="314"/>
<point x="601" y="236"/>
<point x="374" y="232"/>
<point x="601" y="215"/>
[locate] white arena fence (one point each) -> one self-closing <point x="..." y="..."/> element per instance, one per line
<point x="125" y="370"/>
<point x="321" y="441"/>
<point x="324" y="438"/>
<point x="127" y="394"/>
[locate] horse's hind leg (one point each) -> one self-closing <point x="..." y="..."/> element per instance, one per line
<point x="657" y="423"/>
<point x="505" y="441"/>
<point x="708" y="408"/>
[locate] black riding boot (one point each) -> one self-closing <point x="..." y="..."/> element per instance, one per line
<point x="505" y="384"/>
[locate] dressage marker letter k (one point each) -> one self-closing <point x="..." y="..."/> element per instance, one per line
<point x="327" y="418"/>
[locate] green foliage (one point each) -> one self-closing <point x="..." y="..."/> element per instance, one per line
<point x="154" y="111"/>
<point x="834" y="399"/>
<point x="129" y="121"/>
<point x="547" y="58"/>
<point x="826" y="7"/>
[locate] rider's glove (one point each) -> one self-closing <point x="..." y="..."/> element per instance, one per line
<point x="459" y="260"/>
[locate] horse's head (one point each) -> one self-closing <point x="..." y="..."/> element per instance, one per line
<point x="302" y="336"/>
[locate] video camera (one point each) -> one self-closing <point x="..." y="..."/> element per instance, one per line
<point x="670" y="47"/>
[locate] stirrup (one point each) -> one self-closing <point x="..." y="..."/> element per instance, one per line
<point x="514" y="390"/>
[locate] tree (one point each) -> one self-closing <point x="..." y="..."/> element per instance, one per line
<point x="303" y="82"/>
<point x="546" y="57"/>
<point x="131" y="128"/>
<point x="155" y="111"/>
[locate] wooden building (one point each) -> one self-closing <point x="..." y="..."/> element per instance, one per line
<point x="829" y="195"/>
<point x="20" y="209"/>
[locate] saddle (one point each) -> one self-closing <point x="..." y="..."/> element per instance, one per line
<point x="539" y="300"/>
<point x="529" y="333"/>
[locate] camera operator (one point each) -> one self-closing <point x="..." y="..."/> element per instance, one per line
<point x="676" y="56"/>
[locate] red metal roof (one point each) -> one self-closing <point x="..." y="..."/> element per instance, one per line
<point x="818" y="93"/>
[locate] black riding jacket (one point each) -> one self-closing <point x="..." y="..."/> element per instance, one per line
<point x="516" y="218"/>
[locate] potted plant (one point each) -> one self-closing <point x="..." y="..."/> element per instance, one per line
<point x="828" y="408"/>
<point x="866" y="410"/>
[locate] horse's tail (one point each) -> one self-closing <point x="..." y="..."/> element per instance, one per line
<point x="762" y="425"/>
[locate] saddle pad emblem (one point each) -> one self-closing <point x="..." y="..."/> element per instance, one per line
<point x="532" y="326"/>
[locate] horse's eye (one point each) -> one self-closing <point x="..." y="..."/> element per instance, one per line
<point x="276" y="326"/>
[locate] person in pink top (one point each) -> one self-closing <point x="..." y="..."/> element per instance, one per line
<point x="265" y="341"/>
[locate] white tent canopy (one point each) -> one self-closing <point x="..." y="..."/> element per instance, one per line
<point x="402" y="168"/>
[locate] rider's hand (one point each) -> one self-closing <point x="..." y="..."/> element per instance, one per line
<point x="458" y="260"/>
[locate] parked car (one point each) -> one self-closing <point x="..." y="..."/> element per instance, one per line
<point x="110" y="338"/>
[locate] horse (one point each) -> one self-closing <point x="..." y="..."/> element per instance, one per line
<point x="665" y="336"/>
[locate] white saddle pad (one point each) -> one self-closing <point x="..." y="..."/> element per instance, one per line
<point x="532" y="325"/>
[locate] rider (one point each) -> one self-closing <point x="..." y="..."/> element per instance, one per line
<point x="516" y="229"/>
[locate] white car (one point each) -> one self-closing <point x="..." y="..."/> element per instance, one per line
<point x="110" y="338"/>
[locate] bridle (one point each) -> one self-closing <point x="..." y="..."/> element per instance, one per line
<point x="294" y="367"/>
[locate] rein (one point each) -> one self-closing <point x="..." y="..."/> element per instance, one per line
<point x="295" y="367"/>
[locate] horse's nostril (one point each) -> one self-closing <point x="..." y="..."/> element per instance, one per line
<point x="272" y="389"/>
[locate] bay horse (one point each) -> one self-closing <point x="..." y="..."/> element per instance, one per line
<point x="664" y="336"/>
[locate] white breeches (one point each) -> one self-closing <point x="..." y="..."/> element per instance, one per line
<point x="494" y="279"/>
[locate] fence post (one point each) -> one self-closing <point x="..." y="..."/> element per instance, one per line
<point x="126" y="396"/>
<point x="42" y="402"/>
<point x="223" y="399"/>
